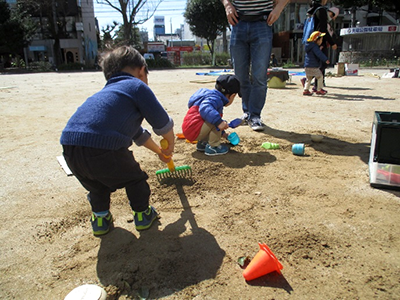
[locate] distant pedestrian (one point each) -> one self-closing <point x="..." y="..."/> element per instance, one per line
<point x="314" y="57"/>
<point x="321" y="21"/>
<point x="274" y="61"/>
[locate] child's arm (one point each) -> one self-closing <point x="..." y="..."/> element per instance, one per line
<point x="170" y="137"/>
<point x="210" y="110"/>
<point x="320" y="54"/>
<point x="223" y="125"/>
<point x="164" y="155"/>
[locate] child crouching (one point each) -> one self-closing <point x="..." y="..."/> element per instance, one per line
<point x="203" y="122"/>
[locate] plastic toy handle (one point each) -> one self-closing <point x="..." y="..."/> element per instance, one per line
<point x="170" y="164"/>
<point x="235" y="123"/>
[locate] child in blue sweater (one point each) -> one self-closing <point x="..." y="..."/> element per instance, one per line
<point x="203" y="121"/>
<point x="314" y="57"/>
<point x="97" y="137"/>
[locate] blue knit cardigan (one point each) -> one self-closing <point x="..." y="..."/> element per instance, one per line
<point x="112" y="118"/>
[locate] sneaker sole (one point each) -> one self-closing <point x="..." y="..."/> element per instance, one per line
<point x="215" y="154"/>
<point x="141" y="228"/>
<point x="100" y="233"/>
<point x="257" y="128"/>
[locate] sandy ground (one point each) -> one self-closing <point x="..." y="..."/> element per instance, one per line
<point x="336" y="237"/>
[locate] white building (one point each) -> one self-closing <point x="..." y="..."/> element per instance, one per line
<point x="79" y="41"/>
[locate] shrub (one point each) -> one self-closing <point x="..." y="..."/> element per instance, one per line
<point x="70" y="67"/>
<point x="162" y="63"/>
<point x="204" y="58"/>
<point x="41" y="66"/>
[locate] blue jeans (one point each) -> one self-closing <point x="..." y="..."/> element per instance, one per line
<point x="250" y="47"/>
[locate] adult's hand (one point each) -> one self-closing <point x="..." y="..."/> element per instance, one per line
<point x="231" y="13"/>
<point x="276" y="12"/>
<point x="273" y="16"/>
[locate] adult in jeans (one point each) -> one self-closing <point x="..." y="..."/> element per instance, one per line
<point x="321" y="20"/>
<point x="250" y="47"/>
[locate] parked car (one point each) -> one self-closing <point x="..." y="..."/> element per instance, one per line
<point x="148" y="56"/>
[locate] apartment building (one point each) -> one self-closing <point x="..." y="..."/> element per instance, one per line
<point x="77" y="34"/>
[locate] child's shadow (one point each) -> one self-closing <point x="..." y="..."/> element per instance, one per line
<point x="238" y="160"/>
<point x="162" y="262"/>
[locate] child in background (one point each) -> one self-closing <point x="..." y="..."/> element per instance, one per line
<point x="97" y="137"/>
<point x="273" y="61"/>
<point x="203" y="122"/>
<point x="312" y="62"/>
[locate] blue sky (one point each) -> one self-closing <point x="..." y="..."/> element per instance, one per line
<point x="172" y="10"/>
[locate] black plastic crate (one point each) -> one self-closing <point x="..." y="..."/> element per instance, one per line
<point x="384" y="159"/>
<point x="387" y="130"/>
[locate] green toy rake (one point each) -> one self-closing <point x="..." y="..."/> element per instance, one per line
<point x="183" y="172"/>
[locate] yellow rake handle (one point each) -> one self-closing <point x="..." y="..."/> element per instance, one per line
<point x="170" y="164"/>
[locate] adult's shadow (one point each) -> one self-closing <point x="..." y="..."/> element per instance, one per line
<point x="162" y="262"/>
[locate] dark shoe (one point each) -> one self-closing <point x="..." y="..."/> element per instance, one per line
<point x="201" y="146"/>
<point x="220" y="150"/>
<point x="256" y="124"/>
<point x="307" y="93"/>
<point x="144" y="219"/>
<point x="315" y="90"/>
<point x="101" y="225"/>
<point x="303" y="81"/>
<point x="322" y="92"/>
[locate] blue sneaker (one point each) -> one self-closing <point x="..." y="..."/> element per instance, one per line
<point x="144" y="219"/>
<point x="101" y="225"/>
<point x="220" y="150"/>
<point x="201" y="146"/>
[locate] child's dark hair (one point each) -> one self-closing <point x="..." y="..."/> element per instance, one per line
<point x="114" y="60"/>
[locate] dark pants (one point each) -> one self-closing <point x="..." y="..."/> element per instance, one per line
<point x="323" y="66"/>
<point x="101" y="172"/>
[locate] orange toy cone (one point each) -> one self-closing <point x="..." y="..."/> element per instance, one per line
<point x="263" y="263"/>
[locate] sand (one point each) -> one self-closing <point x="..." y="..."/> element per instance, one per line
<point x="335" y="235"/>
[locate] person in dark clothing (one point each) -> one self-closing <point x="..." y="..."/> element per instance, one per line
<point x="97" y="137"/>
<point x="273" y="62"/>
<point x="321" y="21"/>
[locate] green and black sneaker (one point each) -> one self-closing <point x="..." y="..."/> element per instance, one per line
<point x="101" y="225"/>
<point x="144" y="219"/>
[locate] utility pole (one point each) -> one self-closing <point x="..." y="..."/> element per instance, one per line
<point x="170" y="20"/>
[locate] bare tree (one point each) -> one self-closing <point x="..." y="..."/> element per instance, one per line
<point x="129" y="9"/>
